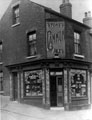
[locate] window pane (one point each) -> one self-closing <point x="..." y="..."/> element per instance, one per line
<point x="33" y="83"/>
<point x="77" y="42"/>
<point x="74" y="35"/>
<point x="16" y="14"/>
<point x="34" y="36"/>
<point x="32" y="44"/>
<point x="1" y="47"/>
<point x="16" y="11"/>
<point x="30" y="37"/>
<point x="78" y="84"/>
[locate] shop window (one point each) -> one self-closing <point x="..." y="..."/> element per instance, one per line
<point x="78" y="84"/>
<point x="16" y="19"/>
<point x="77" y="43"/>
<point x="33" y="83"/>
<point x="32" y="51"/>
<point x="1" y="81"/>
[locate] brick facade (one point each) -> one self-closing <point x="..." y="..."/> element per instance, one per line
<point x="15" y="48"/>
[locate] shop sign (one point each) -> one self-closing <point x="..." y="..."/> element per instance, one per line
<point x="55" y="39"/>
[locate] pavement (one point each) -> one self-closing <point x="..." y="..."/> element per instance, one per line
<point x="10" y="110"/>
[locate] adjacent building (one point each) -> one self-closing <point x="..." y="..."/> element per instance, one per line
<point x="46" y="56"/>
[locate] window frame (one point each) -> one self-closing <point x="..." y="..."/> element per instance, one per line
<point x="16" y="16"/>
<point x="31" y="94"/>
<point x="77" y="45"/>
<point x="32" y="43"/>
<point x="85" y="82"/>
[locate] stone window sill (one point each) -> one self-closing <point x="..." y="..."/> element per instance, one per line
<point x="15" y="25"/>
<point x="79" y="56"/>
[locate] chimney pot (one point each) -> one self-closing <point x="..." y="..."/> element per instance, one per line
<point x="89" y="13"/>
<point x="65" y="1"/>
<point x="85" y="14"/>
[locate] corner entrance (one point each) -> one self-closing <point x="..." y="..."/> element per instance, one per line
<point x="56" y="89"/>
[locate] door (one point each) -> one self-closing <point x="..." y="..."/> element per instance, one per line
<point x="15" y="86"/>
<point x="56" y="89"/>
<point x="59" y="80"/>
<point x="53" y="91"/>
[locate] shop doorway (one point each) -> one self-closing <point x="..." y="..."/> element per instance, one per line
<point x="56" y="89"/>
<point x="15" y="86"/>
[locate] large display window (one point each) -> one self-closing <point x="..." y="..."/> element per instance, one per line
<point x="33" y="83"/>
<point x="78" y="83"/>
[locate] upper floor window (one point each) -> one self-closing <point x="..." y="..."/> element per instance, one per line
<point x="32" y="51"/>
<point x="77" y="42"/>
<point x="16" y="14"/>
<point x="1" y="47"/>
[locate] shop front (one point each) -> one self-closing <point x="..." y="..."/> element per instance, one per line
<point x="52" y="85"/>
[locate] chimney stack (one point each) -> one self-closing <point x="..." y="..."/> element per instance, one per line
<point x="66" y="8"/>
<point x="88" y="20"/>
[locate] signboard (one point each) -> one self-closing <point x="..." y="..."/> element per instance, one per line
<point x="55" y="39"/>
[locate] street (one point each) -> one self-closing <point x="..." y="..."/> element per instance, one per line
<point x="15" y="111"/>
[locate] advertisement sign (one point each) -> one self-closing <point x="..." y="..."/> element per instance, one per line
<point x="55" y="39"/>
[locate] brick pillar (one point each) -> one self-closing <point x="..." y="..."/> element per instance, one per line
<point x="22" y="86"/>
<point x="11" y="86"/>
<point x="19" y="86"/>
<point x="43" y="87"/>
<point x="89" y="85"/>
<point x="66" y="90"/>
<point x="69" y="86"/>
<point x="47" y="89"/>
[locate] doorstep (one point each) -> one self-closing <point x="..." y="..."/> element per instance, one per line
<point x="57" y="108"/>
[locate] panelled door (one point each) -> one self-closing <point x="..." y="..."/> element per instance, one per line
<point x="59" y="91"/>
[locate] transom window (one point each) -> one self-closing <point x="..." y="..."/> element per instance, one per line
<point x="16" y="14"/>
<point x="32" y="50"/>
<point x="77" y="42"/>
<point x="1" y="81"/>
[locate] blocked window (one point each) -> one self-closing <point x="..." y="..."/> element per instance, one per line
<point x="32" y="50"/>
<point x="77" y="42"/>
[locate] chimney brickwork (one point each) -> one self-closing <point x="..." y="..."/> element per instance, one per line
<point x="88" y="20"/>
<point x="66" y="8"/>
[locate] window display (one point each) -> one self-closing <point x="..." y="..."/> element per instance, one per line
<point x="78" y="84"/>
<point x="33" y="83"/>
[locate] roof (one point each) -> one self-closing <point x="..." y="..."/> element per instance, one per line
<point x="50" y="10"/>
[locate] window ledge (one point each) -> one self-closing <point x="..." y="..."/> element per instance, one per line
<point x="29" y="57"/>
<point x="1" y="63"/>
<point x="36" y="56"/>
<point x="1" y="92"/>
<point x="79" y="56"/>
<point x="79" y="98"/>
<point x="15" y="25"/>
